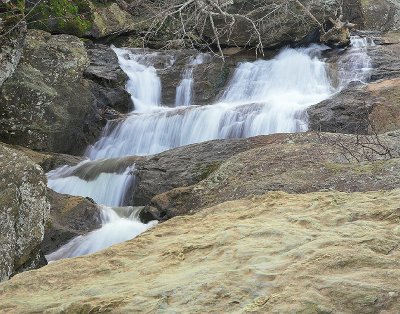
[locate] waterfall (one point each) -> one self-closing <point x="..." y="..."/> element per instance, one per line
<point x="106" y="188"/>
<point x="144" y="85"/>
<point x="263" y="97"/>
<point x="184" y="91"/>
<point x="356" y="65"/>
<point x="116" y="228"/>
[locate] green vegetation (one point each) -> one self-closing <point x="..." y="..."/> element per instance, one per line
<point x="10" y="13"/>
<point x="62" y="16"/>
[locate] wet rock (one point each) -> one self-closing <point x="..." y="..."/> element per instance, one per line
<point x="70" y="216"/>
<point x="384" y="59"/>
<point x="323" y="252"/>
<point x="47" y="104"/>
<point x="24" y="210"/>
<point x="108" y="80"/>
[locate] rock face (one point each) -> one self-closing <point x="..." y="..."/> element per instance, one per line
<point x="24" y="210"/>
<point x="362" y="109"/>
<point x="46" y="104"/>
<point x="70" y="216"/>
<point x="359" y="109"/>
<point x="10" y="51"/>
<point x="289" y="23"/>
<point x="296" y="163"/>
<point x="107" y="79"/>
<point x="326" y="252"/>
<point x="381" y="15"/>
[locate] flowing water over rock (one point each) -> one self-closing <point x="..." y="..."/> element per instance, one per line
<point x="119" y="224"/>
<point x="184" y="91"/>
<point x="262" y="97"/>
<point x="356" y="66"/>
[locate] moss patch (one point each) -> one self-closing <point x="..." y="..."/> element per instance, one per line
<point x="62" y="16"/>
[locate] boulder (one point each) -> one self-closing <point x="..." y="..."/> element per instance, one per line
<point x="362" y="109"/>
<point x="24" y="210"/>
<point x="47" y="104"/>
<point x="295" y="163"/>
<point x="381" y="15"/>
<point x="107" y="79"/>
<point x="70" y="216"/>
<point x="111" y="20"/>
<point x="11" y="47"/>
<point x="323" y="252"/>
<point x="289" y="23"/>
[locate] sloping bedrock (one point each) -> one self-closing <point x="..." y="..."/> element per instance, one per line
<point x="294" y="163"/>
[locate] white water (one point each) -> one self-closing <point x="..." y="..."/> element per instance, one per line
<point x="356" y="66"/>
<point x="116" y="228"/>
<point x="263" y="97"/>
<point x="107" y="188"/>
<point x="144" y="83"/>
<point x="184" y="91"/>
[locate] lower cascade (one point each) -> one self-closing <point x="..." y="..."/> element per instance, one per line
<point x="262" y="97"/>
<point x="125" y="220"/>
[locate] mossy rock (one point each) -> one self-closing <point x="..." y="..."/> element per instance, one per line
<point x="63" y="16"/>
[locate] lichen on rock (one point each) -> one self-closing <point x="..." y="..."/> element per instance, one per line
<point x="24" y="210"/>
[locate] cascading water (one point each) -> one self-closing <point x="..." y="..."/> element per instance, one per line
<point x="263" y="97"/>
<point x="356" y="66"/>
<point x="116" y="228"/>
<point x="106" y="188"/>
<point x="184" y="91"/>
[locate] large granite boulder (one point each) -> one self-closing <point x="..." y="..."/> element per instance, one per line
<point x="295" y="163"/>
<point x="24" y="210"/>
<point x="47" y="104"/>
<point x="323" y="252"/>
<point x="381" y="15"/>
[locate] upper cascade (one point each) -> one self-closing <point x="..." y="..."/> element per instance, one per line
<point x="144" y="84"/>
<point x="263" y="97"/>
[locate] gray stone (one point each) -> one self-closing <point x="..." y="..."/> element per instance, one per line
<point x="24" y="210"/>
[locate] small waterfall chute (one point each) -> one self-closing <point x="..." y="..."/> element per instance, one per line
<point x="116" y="228"/>
<point x="184" y="91"/>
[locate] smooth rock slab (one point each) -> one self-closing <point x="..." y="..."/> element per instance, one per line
<point x="325" y="252"/>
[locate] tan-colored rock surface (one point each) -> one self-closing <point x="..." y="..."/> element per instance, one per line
<point x="325" y="252"/>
